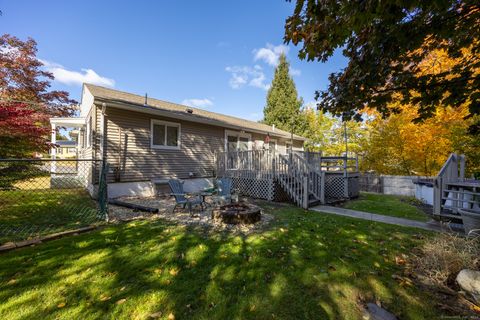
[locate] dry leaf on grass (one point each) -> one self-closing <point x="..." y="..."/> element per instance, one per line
<point x="171" y="316"/>
<point x="155" y="315"/>
<point x="61" y="305"/>
<point x="121" y="301"/>
<point x="104" y="297"/>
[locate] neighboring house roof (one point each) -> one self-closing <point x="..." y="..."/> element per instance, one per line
<point x="197" y="115"/>
<point x="66" y="143"/>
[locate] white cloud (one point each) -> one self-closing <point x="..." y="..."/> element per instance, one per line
<point x="245" y="75"/>
<point x="70" y="77"/>
<point x="254" y="76"/>
<point x="295" y="72"/>
<point x="198" y="103"/>
<point x="270" y="54"/>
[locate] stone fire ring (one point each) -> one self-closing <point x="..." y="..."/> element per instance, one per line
<point x="237" y="213"/>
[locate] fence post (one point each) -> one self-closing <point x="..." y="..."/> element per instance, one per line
<point x="103" y="190"/>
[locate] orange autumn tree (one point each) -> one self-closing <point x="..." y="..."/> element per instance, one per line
<point x="402" y="145"/>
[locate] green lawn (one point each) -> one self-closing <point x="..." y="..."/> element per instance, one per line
<point x="44" y="210"/>
<point x="389" y="205"/>
<point x="305" y="265"/>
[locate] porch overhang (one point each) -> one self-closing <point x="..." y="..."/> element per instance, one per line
<point x="75" y="122"/>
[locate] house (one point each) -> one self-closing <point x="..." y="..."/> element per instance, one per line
<point x="66" y="149"/>
<point x="147" y="141"/>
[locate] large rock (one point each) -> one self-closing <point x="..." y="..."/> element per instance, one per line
<point x="469" y="281"/>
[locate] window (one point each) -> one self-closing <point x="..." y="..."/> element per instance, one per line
<point x="288" y="147"/>
<point x="165" y="135"/>
<point x="237" y="141"/>
<point x="272" y="145"/>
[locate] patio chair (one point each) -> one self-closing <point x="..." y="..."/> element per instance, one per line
<point x="181" y="198"/>
<point x="224" y="186"/>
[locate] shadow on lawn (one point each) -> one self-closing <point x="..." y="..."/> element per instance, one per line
<point x="306" y="266"/>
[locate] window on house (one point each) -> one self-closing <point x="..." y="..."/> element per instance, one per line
<point x="288" y="147"/>
<point x="165" y="135"/>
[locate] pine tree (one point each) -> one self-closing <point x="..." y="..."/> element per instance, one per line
<point x="283" y="103"/>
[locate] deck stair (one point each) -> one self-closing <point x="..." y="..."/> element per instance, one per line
<point x="301" y="181"/>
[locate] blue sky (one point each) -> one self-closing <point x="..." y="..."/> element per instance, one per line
<point x="219" y="55"/>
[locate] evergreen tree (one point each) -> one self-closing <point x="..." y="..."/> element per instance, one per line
<point x="283" y="103"/>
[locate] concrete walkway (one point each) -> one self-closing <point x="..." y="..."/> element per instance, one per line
<point x="431" y="225"/>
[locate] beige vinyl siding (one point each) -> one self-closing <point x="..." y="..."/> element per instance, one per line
<point x="128" y="148"/>
<point x="87" y="152"/>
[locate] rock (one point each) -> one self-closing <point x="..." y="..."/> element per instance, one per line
<point x="374" y="312"/>
<point x="469" y="281"/>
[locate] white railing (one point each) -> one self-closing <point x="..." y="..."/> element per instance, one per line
<point x="297" y="177"/>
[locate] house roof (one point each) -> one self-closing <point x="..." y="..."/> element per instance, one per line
<point x="178" y="110"/>
<point x="66" y="143"/>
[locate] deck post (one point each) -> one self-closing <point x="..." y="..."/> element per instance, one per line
<point x="273" y="168"/>
<point x="437" y="196"/>
<point x="305" y="192"/>
<point x="322" y="188"/>
<point x="462" y="166"/>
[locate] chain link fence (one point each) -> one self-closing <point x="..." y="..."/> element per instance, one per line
<point x="41" y="197"/>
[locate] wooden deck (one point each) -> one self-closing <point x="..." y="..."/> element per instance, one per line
<point x="305" y="178"/>
<point x="452" y="192"/>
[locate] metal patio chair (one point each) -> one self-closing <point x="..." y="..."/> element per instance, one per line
<point x="181" y="198"/>
<point x="224" y="190"/>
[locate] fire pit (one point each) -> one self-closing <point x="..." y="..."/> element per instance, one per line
<point x="237" y="213"/>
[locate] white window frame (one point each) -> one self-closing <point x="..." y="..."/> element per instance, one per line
<point x="238" y="134"/>
<point x="287" y="147"/>
<point x="165" y="123"/>
<point x="276" y="144"/>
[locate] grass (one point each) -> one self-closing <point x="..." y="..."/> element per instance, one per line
<point x="42" y="209"/>
<point x="389" y="205"/>
<point x="305" y="265"/>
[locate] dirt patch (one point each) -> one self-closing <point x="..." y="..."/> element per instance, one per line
<point x="182" y="216"/>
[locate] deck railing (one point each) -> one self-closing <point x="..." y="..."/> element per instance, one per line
<point x="299" y="173"/>
<point x="261" y="161"/>
<point x="452" y="191"/>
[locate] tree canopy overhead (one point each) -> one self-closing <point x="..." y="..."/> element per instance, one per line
<point x="385" y="43"/>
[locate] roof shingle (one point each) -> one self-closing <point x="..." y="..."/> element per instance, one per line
<point x="197" y="114"/>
